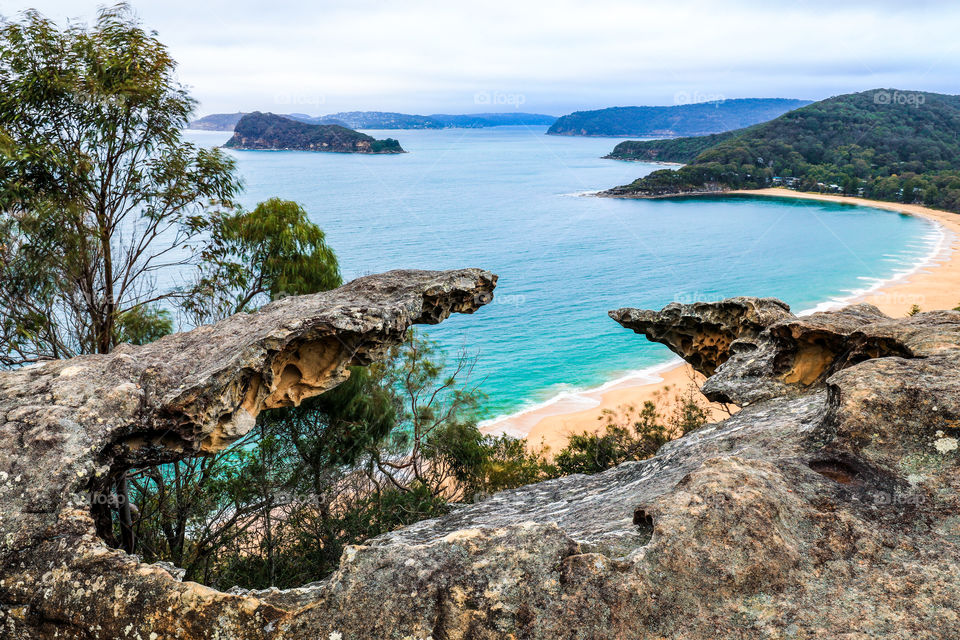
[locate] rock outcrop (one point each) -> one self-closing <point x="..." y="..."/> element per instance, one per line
<point x="828" y="507"/>
<point x="68" y="428"/>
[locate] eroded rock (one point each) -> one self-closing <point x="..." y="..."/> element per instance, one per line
<point x="826" y="508"/>
<point x="70" y="427"/>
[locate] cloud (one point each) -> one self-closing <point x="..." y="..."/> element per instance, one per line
<point x="427" y="56"/>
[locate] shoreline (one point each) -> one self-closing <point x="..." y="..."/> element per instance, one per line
<point x="931" y="283"/>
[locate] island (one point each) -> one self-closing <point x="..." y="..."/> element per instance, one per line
<point x="388" y="120"/>
<point x="697" y="119"/>
<point x="883" y="144"/>
<point x="268" y="131"/>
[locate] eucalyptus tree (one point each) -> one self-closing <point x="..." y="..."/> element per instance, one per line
<point x="102" y="201"/>
<point x="110" y="221"/>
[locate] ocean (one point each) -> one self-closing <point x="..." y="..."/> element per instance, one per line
<point x="511" y="200"/>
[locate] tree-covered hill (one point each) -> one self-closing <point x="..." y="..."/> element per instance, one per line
<point x="885" y="144"/>
<point x="270" y="131"/>
<point x="696" y="119"/>
<point x="668" y="149"/>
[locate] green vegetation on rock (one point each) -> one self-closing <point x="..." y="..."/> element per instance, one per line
<point x="681" y="150"/>
<point x="270" y="131"/>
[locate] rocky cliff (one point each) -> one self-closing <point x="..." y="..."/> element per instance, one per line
<point x="828" y="507"/>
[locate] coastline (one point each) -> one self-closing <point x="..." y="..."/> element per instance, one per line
<point x="933" y="283"/>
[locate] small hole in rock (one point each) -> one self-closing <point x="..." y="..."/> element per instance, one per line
<point x="835" y="470"/>
<point x="644" y="523"/>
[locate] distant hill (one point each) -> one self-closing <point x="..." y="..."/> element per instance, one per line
<point x="388" y="120"/>
<point x="270" y="131"/>
<point x="884" y="144"/>
<point x="216" y="122"/>
<point x="476" y="120"/>
<point x="698" y="119"/>
<point x="378" y="120"/>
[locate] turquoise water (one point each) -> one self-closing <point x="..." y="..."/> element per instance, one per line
<point x="505" y="199"/>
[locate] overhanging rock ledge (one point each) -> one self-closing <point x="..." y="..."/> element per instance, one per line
<point x="68" y="428"/>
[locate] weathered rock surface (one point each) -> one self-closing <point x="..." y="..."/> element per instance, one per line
<point x="67" y="428"/>
<point x="826" y="508"/>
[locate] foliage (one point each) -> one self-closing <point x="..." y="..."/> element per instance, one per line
<point x="395" y="444"/>
<point x="101" y="201"/>
<point x="508" y="463"/>
<point x="143" y="324"/>
<point x="250" y="258"/>
<point x="98" y="192"/>
<point x="630" y="434"/>
<point x="668" y="149"/>
<point x="871" y="144"/>
<point x="288" y="472"/>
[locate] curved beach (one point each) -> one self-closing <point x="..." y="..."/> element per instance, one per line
<point x="934" y="284"/>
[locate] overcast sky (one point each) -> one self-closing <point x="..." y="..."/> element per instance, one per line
<point x="554" y="57"/>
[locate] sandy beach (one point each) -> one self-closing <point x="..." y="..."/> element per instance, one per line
<point x="934" y="285"/>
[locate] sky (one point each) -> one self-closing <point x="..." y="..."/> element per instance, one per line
<point x="420" y="56"/>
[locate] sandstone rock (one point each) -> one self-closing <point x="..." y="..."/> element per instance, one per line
<point x="826" y="508"/>
<point x="69" y="427"/>
<point x="701" y="333"/>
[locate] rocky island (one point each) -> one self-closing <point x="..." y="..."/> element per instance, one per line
<point x="835" y="487"/>
<point x="268" y="131"/>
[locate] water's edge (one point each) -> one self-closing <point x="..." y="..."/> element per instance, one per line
<point x="570" y="401"/>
